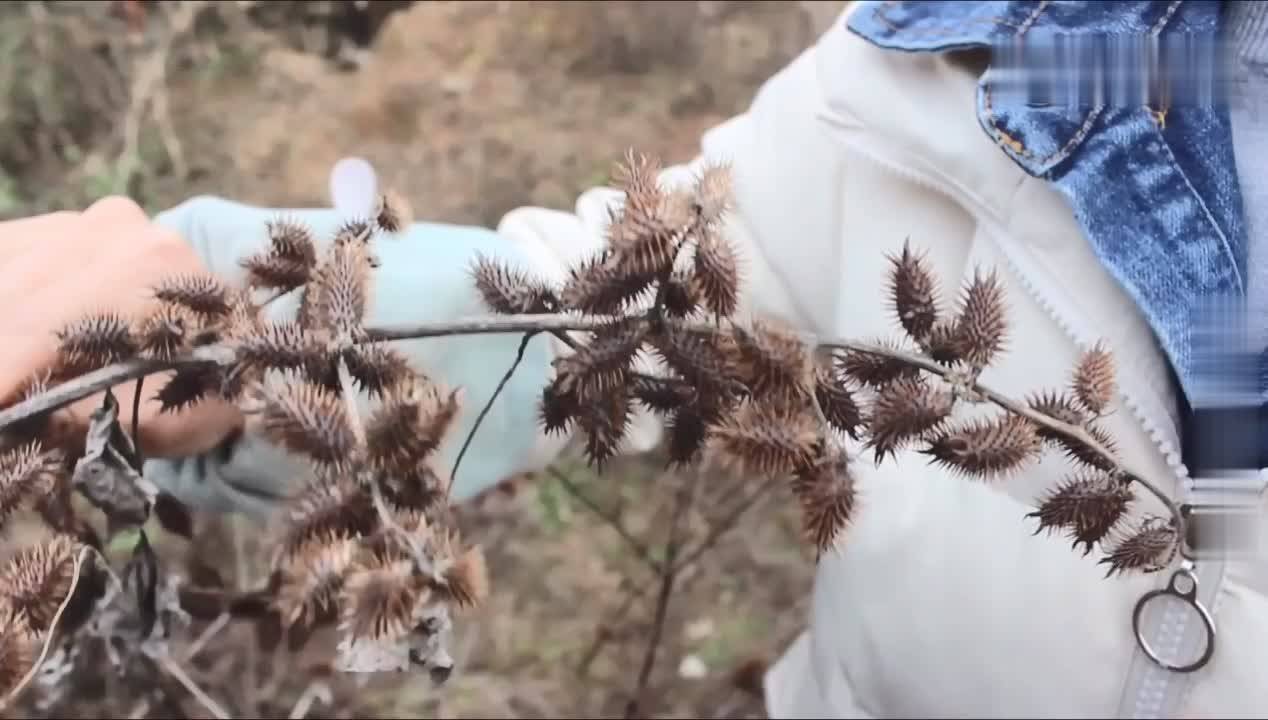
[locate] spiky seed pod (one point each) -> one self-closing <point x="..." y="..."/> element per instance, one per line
<point x="874" y="370"/>
<point x="292" y="240"/>
<point x="243" y="318"/>
<point x="312" y="577"/>
<point x="986" y="448"/>
<point x="381" y="601"/>
<point x="510" y="291"/>
<point x="1057" y="406"/>
<point x="904" y="410"/>
<point x="19" y="649"/>
<point x="410" y="425"/>
<point x="914" y="293"/>
<point x="1084" y="454"/>
<point x="702" y="357"/>
<point x="419" y="489"/>
<point x="772" y="362"/>
<point x="982" y="325"/>
<point x="642" y="241"/>
<point x="680" y="295"/>
<point x="378" y="368"/>
<point x="604" y="421"/>
<point x="27" y="473"/>
<point x="1088" y="506"/>
<point x="605" y="361"/>
<point x="341" y="289"/>
<point x="188" y="386"/>
<point x="599" y="286"/>
<point x="304" y="418"/>
<point x="713" y="192"/>
<point x="279" y="346"/>
<point x="331" y="505"/>
<point x="1148" y="548"/>
<point x="687" y="430"/>
<point x="166" y="332"/>
<point x="466" y="575"/>
<point x="638" y="175"/>
<point x="558" y="408"/>
<point x="716" y="275"/>
<point x="942" y="343"/>
<point x="766" y="440"/>
<point x="839" y="407"/>
<point x="94" y="341"/>
<point x="661" y="395"/>
<point x="268" y="270"/>
<point x="201" y="293"/>
<point x="1094" y="383"/>
<point x="358" y="231"/>
<point x="827" y="495"/>
<point x="393" y="213"/>
<point x="38" y="578"/>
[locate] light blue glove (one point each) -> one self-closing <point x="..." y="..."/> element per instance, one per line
<point x="424" y="277"/>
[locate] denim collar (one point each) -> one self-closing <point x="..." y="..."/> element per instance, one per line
<point x="1155" y="193"/>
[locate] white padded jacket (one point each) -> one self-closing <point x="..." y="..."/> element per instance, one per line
<point x="938" y="601"/>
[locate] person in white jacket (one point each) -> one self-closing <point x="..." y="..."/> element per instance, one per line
<point x="937" y="600"/>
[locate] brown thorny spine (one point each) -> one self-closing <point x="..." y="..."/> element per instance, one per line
<point x="667" y="286"/>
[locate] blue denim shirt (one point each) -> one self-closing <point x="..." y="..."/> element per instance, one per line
<point x="1158" y="200"/>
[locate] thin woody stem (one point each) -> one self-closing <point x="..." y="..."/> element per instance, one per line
<point x="111" y="375"/>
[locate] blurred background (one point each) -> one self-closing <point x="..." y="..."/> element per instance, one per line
<point x="471" y="109"/>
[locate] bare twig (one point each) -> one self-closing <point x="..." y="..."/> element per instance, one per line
<point x="149" y="81"/>
<point x="682" y="505"/>
<point x="173" y="668"/>
<point x="506" y="377"/>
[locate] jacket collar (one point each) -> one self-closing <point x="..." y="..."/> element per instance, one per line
<point x="1168" y="256"/>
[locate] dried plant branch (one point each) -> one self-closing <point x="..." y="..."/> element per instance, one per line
<point x="668" y="577"/>
<point x="365" y="545"/>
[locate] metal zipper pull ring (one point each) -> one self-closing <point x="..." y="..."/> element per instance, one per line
<point x="1183" y="585"/>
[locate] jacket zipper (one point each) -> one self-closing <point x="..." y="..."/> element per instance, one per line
<point x="1152" y="691"/>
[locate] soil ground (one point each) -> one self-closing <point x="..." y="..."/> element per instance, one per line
<point x="472" y="109"/>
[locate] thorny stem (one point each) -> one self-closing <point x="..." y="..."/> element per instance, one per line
<point x="557" y="324"/>
<point x="506" y="377"/>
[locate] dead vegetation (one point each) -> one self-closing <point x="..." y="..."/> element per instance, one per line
<point x="366" y="548"/>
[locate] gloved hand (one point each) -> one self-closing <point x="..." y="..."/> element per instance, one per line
<point x="423" y="278"/>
